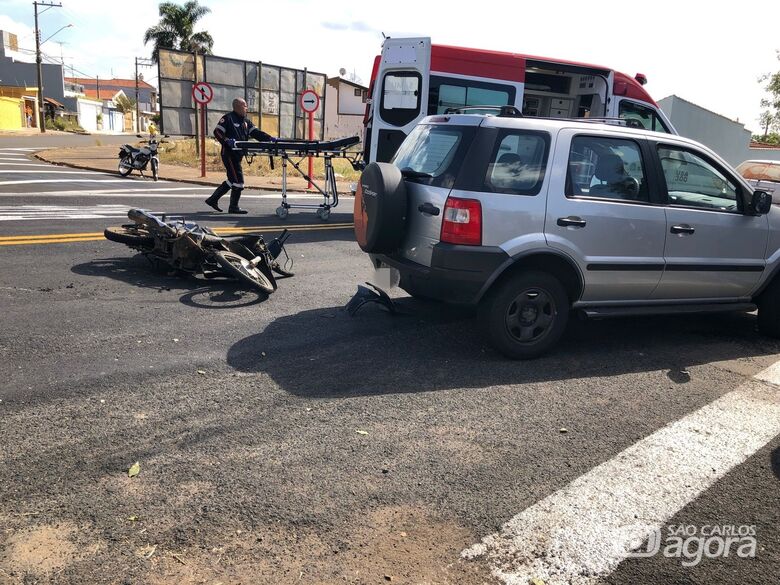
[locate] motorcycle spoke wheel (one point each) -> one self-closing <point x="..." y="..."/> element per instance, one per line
<point x="130" y="236"/>
<point x="124" y="167"/>
<point x="241" y="269"/>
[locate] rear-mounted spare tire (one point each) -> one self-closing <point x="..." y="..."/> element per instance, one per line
<point x="380" y="208"/>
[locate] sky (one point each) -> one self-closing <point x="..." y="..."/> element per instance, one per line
<point x="711" y="54"/>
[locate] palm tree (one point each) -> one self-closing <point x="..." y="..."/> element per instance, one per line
<point x="176" y="29"/>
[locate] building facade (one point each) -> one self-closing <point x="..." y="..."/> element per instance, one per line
<point x="345" y="107"/>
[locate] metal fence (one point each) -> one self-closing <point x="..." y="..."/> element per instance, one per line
<point x="271" y="92"/>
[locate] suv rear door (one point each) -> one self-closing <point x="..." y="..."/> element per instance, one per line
<point x="430" y="159"/>
<point x="602" y="211"/>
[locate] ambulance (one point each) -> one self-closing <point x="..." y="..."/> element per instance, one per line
<point x="413" y="78"/>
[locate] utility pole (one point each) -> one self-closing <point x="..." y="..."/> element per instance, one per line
<point x="143" y="63"/>
<point x="39" y="60"/>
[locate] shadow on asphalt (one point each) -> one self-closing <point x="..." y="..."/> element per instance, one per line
<point x="775" y="459"/>
<point x="325" y="353"/>
<point x="200" y="293"/>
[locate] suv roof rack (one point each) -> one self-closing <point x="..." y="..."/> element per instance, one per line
<point x="627" y="122"/>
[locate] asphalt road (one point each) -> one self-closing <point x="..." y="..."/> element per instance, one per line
<point x="281" y="441"/>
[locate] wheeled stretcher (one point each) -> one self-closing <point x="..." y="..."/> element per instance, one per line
<point x="294" y="152"/>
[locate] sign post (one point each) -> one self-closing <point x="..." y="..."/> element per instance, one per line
<point x="310" y="103"/>
<point x="202" y="93"/>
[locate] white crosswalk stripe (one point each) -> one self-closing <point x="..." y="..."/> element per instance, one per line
<point x="33" y="212"/>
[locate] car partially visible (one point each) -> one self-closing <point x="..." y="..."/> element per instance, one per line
<point x="762" y="174"/>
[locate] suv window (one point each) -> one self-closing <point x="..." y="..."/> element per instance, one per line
<point x="606" y="168"/>
<point x="645" y="116"/>
<point x="432" y="154"/>
<point x="691" y="181"/>
<point x="401" y="97"/>
<point x="518" y="163"/>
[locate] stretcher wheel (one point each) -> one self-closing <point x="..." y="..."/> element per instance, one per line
<point x="282" y="212"/>
<point x="323" y="213"/>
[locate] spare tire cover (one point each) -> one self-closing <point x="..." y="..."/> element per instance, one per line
<point x="380" y="208"/>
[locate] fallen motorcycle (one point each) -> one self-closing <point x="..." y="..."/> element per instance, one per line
<point x="195" y="249"/>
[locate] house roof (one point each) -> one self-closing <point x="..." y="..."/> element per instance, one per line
<point x="334" y="81"/>
<point x="89" y="81"/>
<point x="54" y="102"/>
<point x="105" y="93"/>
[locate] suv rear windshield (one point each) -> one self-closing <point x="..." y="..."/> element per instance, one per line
<point x="432" y="155"/>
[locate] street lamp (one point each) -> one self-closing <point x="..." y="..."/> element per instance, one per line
<point x="58" y="30"/>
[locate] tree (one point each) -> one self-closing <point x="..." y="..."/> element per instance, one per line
<point x="125" y="104"/>
<point x="770" y="116"/>
<point x="176" y="29"/>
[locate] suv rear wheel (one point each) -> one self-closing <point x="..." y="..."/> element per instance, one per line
<point x="525" y="315"/>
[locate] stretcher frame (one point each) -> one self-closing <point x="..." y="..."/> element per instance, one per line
<point x="290" y="150"/>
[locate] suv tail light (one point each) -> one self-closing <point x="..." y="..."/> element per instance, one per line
<point x="462" y="223"/>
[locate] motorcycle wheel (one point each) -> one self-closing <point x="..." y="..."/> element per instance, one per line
<point x="240" y="268"/>
<point x="125" y="167"/>
<point x="155" y="164"/>
<point x="130" y="236"/>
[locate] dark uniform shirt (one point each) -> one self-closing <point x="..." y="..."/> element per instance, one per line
<point x="233" y="126"/>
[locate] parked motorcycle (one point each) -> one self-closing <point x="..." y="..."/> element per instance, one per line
<point x="132" y="158"/>
<point x="195" y="249"/>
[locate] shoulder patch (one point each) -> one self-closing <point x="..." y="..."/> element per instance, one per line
<point x="222" y="120"/>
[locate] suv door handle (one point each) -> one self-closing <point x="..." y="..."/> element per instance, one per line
<point x="683" y="228"/>
<point x="429" y="208"/>
<point x="571" y="221"/>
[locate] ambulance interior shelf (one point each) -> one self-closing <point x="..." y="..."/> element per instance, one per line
<point x="294" y="152"/>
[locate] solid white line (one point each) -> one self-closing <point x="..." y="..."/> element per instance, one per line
<point x="582" y="532"/>
<point x="33" y="181"/>
<point x="20" y="164"/>
<point x="56" y="172"/>
<point x="3" y="149"/>
<point x="151" y="194"/>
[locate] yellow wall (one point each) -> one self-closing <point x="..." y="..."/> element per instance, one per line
<point x="10" y="113"/>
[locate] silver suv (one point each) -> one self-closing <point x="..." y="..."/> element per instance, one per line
<point x="531" y="219"/>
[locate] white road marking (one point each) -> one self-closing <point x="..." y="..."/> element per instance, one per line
<point x="582" y="532"/>
<point x="4" y="148"/>
<point x="33" y="212"/>
<point x="34" y="181"/>
<point x="161" y="193"/>
<point x="55" y="172"/>
<point x="21" y="163"/>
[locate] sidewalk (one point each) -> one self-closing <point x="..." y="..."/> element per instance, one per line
<point x="105" y="159"/>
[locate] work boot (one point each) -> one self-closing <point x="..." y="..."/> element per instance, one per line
<point x="235" y="195"/>
<point x="219" y="192"/>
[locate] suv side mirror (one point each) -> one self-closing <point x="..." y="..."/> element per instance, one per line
<point x="760" y="203"/>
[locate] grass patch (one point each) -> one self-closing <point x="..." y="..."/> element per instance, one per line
<point x="182" y="153"/>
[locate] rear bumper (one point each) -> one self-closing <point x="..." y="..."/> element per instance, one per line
<point x="457" y="273"/>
